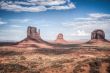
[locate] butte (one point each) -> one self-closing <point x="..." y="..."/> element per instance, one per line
<point x="33" y="39"/>
<point x="98" y="37"/>
<point x="60" y="39"/>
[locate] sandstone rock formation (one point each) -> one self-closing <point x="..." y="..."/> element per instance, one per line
<point x="33" y="39"/>
<point x="60" y="39"/>
<point x="33" y="33"/>
<point x="98" y="34"/>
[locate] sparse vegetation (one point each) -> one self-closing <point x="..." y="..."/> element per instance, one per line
<point x="14" y="68"/>
<point x="22" y="58"/>
<point x="52" y="60"/>
<point x="108" y="68"/>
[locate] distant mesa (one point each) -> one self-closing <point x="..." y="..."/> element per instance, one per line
<point x="33" y="39"/>
<point x="33" y="33"/>
<point x="60" y="39"/>
<point x="98" y="36"/>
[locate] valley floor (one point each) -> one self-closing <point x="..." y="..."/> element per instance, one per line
<point x="71" y="60"/>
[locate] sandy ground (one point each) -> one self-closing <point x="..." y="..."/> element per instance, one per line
<point x="42" y="60"/>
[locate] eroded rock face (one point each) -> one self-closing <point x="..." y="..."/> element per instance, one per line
<point x="33" y="39"/>
<point x="60" y="38"/>
<point x="98" y="34"/>
<point x="98" y="38"/>
<point x="33" y="33"/>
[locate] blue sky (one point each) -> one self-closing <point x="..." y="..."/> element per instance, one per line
<point x="76" y="19"/>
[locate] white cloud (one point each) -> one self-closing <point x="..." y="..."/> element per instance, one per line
<point x="25" y="20"/>
<point x="80" y="33"/>
<point x="69" y="6"/>
<point x="99" y="15"/>
<point x="48" y="2"/>
<point x="2" y="22"/>
<point x="36" y="5"/>
<point x="83" y="26"/>
<point x="18" y="8"/>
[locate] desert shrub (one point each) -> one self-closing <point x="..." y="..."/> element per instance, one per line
<point x="9" y="53"/>
<point x="22" y="58"/>
<point x="15" y="68"/>
<point x="56" y="65"/>
<point x="40" y="58"/>
<point x="108" y="69"/>
<point x="94" y="66"/>
<point x="11" y="68"/>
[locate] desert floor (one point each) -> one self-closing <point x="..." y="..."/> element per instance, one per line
<point x="80" y="59"/>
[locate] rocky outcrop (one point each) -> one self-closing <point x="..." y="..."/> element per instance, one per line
<point x="60" y="39"/>
<point x="33" y="33"/>
<point x="98" y="34"/>
<point x="60" y="36"/>
<point x="33" y="39"/>
<point x="98" y="37"/>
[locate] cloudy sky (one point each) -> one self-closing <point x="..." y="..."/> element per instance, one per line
<point x="76" y="19"/>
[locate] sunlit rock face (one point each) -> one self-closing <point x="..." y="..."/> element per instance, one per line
<point x="60" y="36"/>
<point x="98" y="37"/>
<point x="60" y="39"/>
<point x="33" y="33"/>
<point x="98" y="34"/>
<point x="33" y="39"/>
